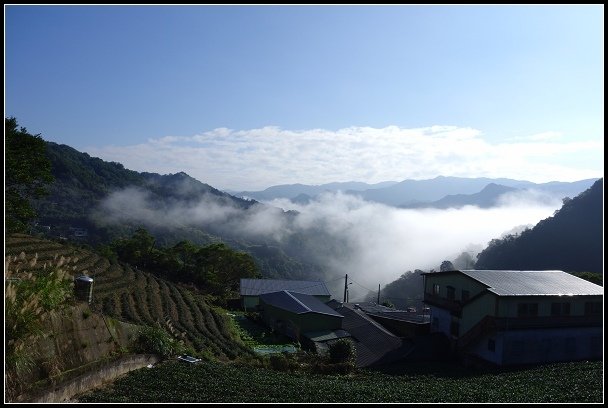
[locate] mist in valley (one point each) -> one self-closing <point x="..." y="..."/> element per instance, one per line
<point x="342" y="234"/>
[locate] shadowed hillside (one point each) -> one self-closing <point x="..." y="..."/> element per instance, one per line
<point x="570" y="240"/>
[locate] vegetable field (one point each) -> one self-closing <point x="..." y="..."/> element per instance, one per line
<point x="174" y="381"/>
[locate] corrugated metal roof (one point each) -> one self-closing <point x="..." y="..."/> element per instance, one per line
<point x="531" y="283"/>
<point x="374" y="344"/>
<point x="297" y="303"/>
<point x="255" y="287"/>
<point x="325" y="335"/>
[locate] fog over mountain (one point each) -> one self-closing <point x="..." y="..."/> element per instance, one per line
<point x="343" y="234"/>
<point x="439" y="192"/>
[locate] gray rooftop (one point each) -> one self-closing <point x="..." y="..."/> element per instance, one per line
<point x="255" y="287"/>
<point x="374" y="344"/>
<point x="527" y="283"/>
<point x="326" y="335"/>
<point x="297" y="303"/>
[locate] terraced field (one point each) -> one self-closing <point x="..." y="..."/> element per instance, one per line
<point x="138" y="297"/>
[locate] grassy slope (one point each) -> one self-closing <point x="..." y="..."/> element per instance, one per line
<point x="139" y="297"/>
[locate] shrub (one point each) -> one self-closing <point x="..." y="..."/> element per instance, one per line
<point x="342" y="351"/>
<point x="155" y="340"/>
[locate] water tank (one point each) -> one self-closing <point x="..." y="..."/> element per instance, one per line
<point x="83" y="288"/>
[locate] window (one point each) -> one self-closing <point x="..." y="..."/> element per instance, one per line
<point x="465" y="295"/>
<point x="560" y="309"/>
<point x="593" y="308"/>
<point x="436" y="289"/>
<point x="527" y="309"/>
<point x="451" y="293"/>
<point x="491" y="344"/>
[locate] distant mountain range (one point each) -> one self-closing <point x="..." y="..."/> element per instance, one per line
<point x="94" y="202"/>
<point x="439" y="192"/>
<point x="486" y="198"/>
<point x="292" y="191"/>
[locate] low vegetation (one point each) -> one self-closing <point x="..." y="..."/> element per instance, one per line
<point x="216" y="382"/>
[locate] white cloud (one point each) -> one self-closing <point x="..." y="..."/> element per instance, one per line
<point x="257" y="158"/>
<point x="371" y="242"/>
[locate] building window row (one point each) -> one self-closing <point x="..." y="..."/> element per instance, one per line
<point x="451" y="293"/>
<point x="560" y="309"/>
<point x="593" y="308"/>
<point x="527" y="309"/>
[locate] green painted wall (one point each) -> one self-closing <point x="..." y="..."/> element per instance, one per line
<point x="473" y="312"/>
<point x="459" y="281"/>
<point x="507" y="306"/>
<point x="303" y="322"/>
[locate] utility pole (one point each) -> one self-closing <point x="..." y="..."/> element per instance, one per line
<point x="345" y="288"/>
<point x="378" y="293"/>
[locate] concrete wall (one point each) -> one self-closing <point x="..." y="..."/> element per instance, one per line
<point x="85" y="382"/>
<point x="76" y="338"/>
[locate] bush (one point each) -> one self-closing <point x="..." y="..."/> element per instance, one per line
<point x="342" y="351"/>
<point x="279" y="362"/>
<point x="155" y="340"/>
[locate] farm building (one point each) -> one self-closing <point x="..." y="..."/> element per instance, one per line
<point x="251" y="289"/>
<point x="294" y="314"/>
<point x="375" y="345"/>
<point x="517" y="317"/>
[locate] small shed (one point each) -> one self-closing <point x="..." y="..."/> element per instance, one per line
<point x="293" y="313"/>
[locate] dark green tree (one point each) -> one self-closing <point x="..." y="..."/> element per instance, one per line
<point x="446" y="266"/>
<point x="342" y="351"/>
<point x="27" y="170"/>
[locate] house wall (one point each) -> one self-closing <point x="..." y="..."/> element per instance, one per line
<point x="293" y="324"/>
<point x="507" y="306"/>
<point x="473" y="312"/>
<point x="459" y="281"/>
<point x="250" y="302"/>
<point x="541" y="345"/>
<point x="440" y="321"/>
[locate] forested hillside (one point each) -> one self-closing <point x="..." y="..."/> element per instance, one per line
<point x="94" y="202"/>
<point x="570" y="240"/>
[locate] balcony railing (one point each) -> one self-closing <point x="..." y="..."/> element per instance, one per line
<point x="451" y="305"/>
<point x="490" y="324"/>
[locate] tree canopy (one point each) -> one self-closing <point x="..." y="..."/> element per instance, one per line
<point x="216" y="269"/>
<point x="27" y="170"/>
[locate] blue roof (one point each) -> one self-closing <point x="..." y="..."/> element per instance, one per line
<point x="255" y="287"/>
<point x="297" y="303"/>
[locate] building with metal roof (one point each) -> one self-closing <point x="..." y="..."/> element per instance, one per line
<point x="293" y="313"/>
<point x="251" y="289"/>
<point x="375" y="345"/>
<point x="517" y="317"/>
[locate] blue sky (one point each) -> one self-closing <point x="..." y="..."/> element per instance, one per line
<point x="251" y="96"/>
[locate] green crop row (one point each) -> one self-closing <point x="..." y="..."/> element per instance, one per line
<point x="217" y="382"/>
